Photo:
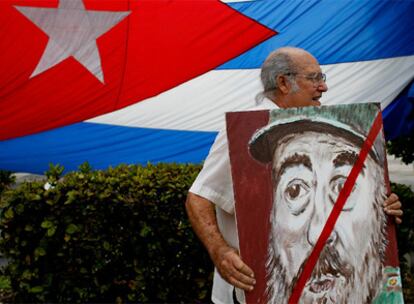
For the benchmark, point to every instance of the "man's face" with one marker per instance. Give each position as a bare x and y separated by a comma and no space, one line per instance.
309,88
310,170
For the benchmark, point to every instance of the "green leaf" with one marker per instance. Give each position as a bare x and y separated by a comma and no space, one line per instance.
85,168
71,229
51,231
46,224
9,214
202,294
36,289
39,251
71,197
28,227
4,283
3,203
19,208
145,230
36,197
26,275
50,202
54,172
106,245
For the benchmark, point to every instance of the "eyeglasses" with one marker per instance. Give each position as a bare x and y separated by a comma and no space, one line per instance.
316,78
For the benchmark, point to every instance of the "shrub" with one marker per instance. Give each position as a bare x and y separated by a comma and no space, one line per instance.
401,147
405,239
119,235
6,178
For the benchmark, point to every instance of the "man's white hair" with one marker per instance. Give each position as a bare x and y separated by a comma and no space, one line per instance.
279,62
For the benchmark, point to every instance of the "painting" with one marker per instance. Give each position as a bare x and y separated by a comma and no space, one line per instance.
309,185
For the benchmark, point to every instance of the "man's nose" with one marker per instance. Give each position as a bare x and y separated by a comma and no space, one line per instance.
322,87
319,217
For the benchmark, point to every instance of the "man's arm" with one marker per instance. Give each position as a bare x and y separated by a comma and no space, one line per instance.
226,259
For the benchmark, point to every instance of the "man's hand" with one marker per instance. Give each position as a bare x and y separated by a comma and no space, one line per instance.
232,269
392,206
226,259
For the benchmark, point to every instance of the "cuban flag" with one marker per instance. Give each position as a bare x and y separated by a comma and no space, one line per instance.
137,81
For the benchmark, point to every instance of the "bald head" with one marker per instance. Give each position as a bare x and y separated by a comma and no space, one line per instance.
292,51
278,76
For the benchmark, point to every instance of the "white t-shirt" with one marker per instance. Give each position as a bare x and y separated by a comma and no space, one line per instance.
215,184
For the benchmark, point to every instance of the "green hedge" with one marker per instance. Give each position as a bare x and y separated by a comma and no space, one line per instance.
405,239
6,179
119,235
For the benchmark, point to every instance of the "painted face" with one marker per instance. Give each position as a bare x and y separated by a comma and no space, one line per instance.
310,170
310,87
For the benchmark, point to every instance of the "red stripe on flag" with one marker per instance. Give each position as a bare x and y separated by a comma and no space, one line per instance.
336,210
160,45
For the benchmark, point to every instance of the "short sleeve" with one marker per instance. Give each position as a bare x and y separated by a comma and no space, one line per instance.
214,181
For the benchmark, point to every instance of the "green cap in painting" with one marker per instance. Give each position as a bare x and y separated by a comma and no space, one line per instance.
351,122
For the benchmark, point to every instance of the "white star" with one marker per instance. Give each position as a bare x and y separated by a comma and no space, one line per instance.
72,31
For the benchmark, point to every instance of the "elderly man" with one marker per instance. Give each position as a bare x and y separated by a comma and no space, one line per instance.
291,77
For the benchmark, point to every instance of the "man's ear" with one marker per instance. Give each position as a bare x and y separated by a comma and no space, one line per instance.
283,84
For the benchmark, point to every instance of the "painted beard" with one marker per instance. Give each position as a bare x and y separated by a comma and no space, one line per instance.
333,280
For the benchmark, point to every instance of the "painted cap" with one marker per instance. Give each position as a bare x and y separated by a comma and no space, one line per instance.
351,122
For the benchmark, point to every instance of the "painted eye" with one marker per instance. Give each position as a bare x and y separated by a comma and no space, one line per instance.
337,183
296,189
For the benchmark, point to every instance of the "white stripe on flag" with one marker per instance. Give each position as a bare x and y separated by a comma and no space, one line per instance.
200,103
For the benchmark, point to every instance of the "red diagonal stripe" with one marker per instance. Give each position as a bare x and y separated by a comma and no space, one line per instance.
336,210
